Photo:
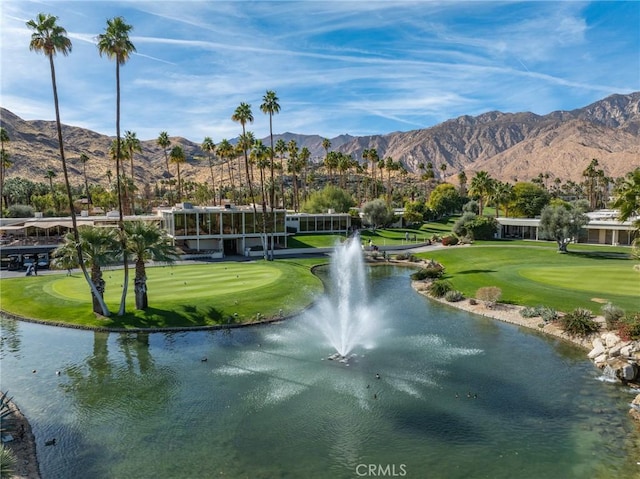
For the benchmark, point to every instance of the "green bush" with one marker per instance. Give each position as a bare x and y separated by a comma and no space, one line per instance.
579,322
8,462
439,288
453,296
430,272
530,312
20,211
407,257
548,314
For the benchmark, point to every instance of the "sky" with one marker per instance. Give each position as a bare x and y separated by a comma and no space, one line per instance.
344,67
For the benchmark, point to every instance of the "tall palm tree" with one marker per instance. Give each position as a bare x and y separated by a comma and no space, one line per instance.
84,159
481,187
177,157
4,164
261,154
99,248
164,142
225,150
243,115
326,144
115,44
50,175
50,38
502,195
304,157
146,242
209,146
292,148
462,179
270,106
132,144
627,197
280,149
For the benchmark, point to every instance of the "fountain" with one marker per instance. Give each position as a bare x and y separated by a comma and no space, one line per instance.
345,317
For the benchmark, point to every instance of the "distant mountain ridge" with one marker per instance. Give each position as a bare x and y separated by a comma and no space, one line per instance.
509,146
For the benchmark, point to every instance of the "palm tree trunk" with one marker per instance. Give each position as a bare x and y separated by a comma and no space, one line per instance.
123,237
282,181
140,286
74,222
213,184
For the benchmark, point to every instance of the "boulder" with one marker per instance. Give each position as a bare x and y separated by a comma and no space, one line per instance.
611,339
629,372
597,350
615,350
636,401
597,342
626,350
601,360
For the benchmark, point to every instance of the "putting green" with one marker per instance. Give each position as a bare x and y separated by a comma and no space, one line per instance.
595,280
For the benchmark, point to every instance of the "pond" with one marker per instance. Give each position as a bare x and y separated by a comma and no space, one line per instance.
437,393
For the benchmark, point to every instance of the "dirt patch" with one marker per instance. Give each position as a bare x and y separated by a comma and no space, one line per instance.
600,300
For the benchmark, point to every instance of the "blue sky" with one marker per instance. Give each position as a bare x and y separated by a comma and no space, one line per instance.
355,67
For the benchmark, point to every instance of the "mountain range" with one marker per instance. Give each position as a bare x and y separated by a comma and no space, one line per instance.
509,146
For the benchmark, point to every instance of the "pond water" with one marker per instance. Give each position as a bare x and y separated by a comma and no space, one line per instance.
267,403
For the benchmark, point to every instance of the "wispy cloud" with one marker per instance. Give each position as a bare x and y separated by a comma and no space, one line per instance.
338,67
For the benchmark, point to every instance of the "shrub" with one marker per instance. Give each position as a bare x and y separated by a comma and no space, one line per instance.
472,301
453,296
490,295
449,240
8,462
430,272
612,315
629,327
20,211
439,288
548,314
407,257
579,322
530,312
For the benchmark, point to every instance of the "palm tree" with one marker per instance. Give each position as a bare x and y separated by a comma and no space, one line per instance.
209,146
50,175
131,144
164,142
177,157
146,242
502,195
261,154
109,175
115,44
49,38
627,196
292,148
99,248
225,150
243,115
4,164
481,187
270,107
462,179
84,158
304,157
280,149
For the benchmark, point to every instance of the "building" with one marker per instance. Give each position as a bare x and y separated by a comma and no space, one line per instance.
338,223
603,228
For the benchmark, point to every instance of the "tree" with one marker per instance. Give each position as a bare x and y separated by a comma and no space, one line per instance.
225,150
50,175
413,211
209,147
627,196
445,199
481,188
330,197
377,213
84,159
475,227
502,195
261,154
270,107
177,158
164,142
146,242
462,179
115,44
5,163
49,38
562,224
304,157
243,115
99,248
529,199
292,148
132,144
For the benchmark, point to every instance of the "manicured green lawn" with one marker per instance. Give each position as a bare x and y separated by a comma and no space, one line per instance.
535,274
314,240
179,296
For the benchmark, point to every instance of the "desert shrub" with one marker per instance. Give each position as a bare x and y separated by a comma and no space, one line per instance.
548,314
629,327
579,322
612,315
472,301
8,462
490,295
407,257
20,211
449,240
530,312
439,288
453,296
430,272
435,238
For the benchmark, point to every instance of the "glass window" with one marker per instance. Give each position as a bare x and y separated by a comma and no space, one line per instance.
191,224
180,224
227,223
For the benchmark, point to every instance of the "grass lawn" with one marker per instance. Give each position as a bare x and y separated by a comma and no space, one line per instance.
179,296
533,275
314,240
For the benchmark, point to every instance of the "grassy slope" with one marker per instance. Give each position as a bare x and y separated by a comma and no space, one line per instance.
188,295
533,274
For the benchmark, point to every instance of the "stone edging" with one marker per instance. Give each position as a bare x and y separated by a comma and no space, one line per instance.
23,446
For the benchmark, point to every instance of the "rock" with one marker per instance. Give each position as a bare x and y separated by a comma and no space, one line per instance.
601,360
636,401
611,339
629,372
597,342
615,350
626,350
597,350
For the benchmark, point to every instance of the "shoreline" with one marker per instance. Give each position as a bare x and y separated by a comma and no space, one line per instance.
510,313
23,445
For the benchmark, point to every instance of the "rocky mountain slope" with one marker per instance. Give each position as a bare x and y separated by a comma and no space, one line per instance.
509,146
